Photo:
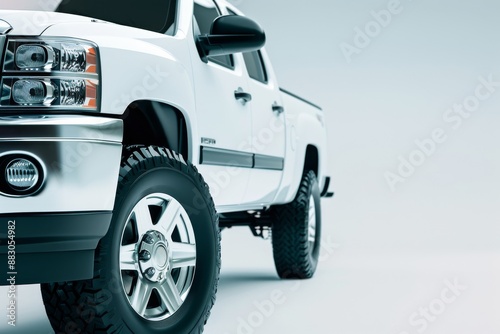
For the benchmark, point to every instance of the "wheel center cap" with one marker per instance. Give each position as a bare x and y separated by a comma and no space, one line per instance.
154,258
161,256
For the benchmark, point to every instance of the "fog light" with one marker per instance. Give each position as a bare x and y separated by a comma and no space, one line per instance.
21,174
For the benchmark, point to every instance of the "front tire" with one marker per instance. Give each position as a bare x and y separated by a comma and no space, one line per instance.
157,268
296,232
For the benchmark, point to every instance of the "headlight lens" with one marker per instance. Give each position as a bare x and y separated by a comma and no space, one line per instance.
29,92
32,57
50,73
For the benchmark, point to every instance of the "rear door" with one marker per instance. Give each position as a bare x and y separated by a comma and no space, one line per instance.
268,127
268,130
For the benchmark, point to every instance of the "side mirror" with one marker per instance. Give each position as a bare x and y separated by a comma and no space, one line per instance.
231,34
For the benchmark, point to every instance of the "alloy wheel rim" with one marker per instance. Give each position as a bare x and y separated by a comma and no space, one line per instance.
157,257
311,229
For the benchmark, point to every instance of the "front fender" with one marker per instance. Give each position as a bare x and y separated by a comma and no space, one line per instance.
138,65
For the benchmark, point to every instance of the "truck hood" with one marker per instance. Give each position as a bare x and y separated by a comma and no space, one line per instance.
32,23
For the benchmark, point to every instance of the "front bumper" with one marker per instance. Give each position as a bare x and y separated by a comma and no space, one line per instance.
81,156
58,228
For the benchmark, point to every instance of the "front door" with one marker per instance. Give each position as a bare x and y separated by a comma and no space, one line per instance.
224,118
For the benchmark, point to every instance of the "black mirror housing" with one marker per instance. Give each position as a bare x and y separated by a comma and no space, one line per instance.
231,34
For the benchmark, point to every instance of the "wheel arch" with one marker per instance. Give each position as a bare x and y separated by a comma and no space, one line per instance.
155,123
306,151
311,160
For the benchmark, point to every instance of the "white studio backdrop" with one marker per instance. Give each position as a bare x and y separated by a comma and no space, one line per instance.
411,94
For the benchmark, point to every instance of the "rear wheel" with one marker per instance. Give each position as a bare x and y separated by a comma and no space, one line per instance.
296,231
156,270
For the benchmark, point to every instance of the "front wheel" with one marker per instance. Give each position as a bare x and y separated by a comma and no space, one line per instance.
157,269
296,231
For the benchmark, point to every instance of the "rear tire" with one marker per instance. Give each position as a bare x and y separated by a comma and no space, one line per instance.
296,232
157,268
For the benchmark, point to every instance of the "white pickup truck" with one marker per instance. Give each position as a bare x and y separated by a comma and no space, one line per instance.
121,124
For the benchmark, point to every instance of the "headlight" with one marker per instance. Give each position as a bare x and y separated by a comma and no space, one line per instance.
55,73
33,57
29,92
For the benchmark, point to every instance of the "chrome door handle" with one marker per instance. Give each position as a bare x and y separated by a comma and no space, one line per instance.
277,108
242,95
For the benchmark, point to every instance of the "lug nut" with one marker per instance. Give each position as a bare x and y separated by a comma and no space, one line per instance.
149,239
144,255
150,272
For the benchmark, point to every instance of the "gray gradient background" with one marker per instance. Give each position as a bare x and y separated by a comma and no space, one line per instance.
386,253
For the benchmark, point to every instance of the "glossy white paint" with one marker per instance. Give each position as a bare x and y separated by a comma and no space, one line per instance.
139,65
307,130
268,136
33,23
224,119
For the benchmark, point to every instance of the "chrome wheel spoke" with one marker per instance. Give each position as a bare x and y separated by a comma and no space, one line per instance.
140,296
128,257
183,255
312,214
169,218
143,220
169,294
311,233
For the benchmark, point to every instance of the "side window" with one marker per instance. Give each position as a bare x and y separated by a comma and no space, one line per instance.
255,66
204,15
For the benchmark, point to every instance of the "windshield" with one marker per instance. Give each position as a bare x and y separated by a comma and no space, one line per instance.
153,15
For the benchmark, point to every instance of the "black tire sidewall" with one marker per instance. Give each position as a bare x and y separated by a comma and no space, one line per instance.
186,190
